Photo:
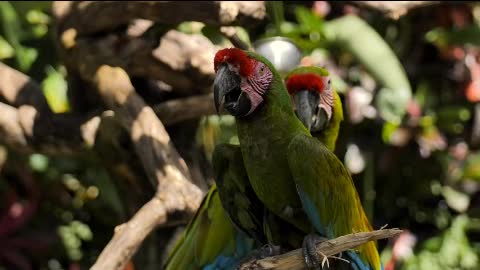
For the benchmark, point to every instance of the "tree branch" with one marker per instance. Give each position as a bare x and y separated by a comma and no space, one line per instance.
89,17
10,129
294,259
28,124
231,33
175,193
18,89
394,9
128,236
182,109
180,60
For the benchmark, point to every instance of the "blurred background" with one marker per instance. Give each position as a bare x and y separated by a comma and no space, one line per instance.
408,74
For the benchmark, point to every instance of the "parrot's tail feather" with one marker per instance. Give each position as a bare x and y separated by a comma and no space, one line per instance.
356,262
367,259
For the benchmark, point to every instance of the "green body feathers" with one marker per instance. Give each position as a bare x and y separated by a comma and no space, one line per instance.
209,235
280,167
295,175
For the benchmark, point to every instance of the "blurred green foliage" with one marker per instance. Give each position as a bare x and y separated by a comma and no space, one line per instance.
451,250
76,192
55,89
408,123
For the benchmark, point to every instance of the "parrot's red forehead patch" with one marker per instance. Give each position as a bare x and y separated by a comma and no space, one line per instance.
237,57
299,82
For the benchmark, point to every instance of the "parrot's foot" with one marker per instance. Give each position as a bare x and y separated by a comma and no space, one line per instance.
267,250
309,249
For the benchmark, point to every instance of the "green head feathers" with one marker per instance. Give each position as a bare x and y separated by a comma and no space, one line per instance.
306,70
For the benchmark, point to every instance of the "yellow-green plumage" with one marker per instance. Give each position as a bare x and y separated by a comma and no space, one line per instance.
208,235
333,195
237,196
239,199
264,137
345,224
211,217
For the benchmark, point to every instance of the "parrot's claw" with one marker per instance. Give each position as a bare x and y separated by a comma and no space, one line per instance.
267,250
309,249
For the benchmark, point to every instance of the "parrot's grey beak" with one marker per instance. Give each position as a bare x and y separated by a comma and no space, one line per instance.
227,92
310,114
226,81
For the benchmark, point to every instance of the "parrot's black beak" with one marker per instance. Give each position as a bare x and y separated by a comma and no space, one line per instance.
308,111
227,92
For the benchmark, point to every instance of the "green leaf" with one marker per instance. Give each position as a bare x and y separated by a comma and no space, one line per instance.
55,89
39,31
425,97
13,32
190,27
288,28
391,104
214,35
82,230
451,250
38,162
452,118
469,35
339,84
455,199
388,130
23,7
433,244
36,16
309,22
109,195
6,51
276,12
471,169
25,57
243,35
368,47
214,130
386,254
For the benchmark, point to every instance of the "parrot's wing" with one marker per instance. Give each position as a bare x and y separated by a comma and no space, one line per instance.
237,195
208,237
328,194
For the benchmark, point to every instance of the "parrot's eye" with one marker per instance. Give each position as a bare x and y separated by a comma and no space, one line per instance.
261,71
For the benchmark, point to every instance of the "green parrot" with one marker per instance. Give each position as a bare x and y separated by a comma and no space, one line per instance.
242,205
304,85
294,175
210,240
316,103
246,210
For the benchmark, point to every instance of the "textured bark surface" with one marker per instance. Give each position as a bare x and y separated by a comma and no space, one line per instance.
96,16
